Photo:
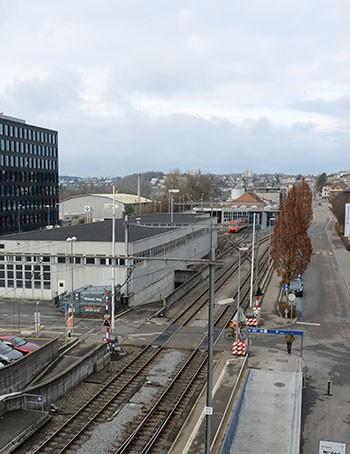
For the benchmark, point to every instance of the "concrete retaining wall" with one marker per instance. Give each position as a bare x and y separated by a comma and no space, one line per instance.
57,387
18,375
68,379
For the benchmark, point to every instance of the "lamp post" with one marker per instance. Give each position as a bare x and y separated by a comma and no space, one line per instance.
19,206
113,266
209,403
171,194
71,241
271,221
48,214
240,250
252,264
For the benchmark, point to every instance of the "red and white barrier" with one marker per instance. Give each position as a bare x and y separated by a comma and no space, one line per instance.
239,348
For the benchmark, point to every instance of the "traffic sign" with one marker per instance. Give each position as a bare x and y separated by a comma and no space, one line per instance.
275,331
208,410
291,297
106,322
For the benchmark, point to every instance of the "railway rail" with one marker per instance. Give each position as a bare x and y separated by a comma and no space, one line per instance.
119,388
152,435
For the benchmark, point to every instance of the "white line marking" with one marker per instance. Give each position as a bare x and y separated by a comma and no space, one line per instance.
308,323
143,334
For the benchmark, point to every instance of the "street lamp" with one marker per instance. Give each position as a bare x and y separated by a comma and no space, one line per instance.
19,206
241,249
71,241
171,194
48,214
271,221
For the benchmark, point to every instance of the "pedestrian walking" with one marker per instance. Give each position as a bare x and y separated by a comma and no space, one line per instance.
289,341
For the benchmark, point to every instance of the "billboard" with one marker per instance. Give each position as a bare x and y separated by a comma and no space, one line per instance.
347,220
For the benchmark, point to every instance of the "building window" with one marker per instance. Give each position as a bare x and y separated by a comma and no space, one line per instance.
61,259
90,260
28,284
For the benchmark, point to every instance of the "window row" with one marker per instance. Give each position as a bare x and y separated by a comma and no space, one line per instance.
23,161
22,132
88,260
27,176
8,223
33,192
27,148
19,283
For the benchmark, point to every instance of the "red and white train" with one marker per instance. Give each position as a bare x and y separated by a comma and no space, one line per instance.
237,225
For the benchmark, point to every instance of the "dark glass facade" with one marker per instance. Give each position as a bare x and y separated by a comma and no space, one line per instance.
28,176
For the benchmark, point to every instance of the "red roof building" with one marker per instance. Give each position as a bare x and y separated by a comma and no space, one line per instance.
248,200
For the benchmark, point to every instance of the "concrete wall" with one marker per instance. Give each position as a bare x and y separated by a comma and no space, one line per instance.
16,376
59,386
53,389
155,280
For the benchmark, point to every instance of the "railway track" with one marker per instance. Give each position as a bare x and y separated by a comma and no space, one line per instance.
154,433
122,386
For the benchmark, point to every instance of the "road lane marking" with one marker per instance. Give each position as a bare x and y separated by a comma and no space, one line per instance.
308,323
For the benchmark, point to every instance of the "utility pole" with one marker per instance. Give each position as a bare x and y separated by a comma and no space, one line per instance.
256,265
252,265
113,264
126,228
209,403
19,206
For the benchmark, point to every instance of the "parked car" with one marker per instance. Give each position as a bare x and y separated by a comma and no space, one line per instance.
297,287
8,354
19,344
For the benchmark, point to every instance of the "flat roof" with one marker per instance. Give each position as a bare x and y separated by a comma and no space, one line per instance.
148,226
23,123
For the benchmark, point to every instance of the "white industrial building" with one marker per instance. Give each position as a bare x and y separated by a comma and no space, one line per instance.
45,263
97,207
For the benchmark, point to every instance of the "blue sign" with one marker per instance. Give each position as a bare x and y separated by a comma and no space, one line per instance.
275,331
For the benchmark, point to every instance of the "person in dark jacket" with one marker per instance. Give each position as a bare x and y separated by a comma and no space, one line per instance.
289,341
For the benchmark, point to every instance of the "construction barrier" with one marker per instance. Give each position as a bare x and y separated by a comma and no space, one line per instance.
239,348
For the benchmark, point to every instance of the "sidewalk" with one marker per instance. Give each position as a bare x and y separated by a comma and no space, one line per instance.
270,417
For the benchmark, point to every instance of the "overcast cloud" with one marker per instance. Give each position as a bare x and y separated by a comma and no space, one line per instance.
153,85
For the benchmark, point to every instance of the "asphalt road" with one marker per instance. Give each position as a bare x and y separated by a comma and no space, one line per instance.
326,347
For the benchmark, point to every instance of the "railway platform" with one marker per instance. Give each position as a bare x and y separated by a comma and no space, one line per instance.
17,426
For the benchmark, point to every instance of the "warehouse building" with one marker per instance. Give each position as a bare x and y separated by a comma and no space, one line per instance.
44,264
98,207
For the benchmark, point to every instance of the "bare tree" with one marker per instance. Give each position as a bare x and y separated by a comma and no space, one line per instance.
291,246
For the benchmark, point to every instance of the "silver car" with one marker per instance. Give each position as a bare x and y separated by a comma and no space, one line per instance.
7,354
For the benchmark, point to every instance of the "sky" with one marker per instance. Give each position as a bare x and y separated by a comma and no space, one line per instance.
216,85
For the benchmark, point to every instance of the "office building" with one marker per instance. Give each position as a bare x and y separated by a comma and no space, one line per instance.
28,176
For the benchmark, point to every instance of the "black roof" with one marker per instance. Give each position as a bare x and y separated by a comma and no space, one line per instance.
102,231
